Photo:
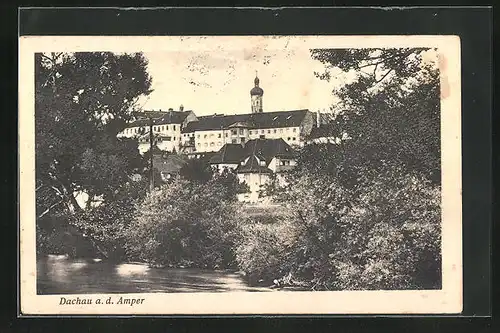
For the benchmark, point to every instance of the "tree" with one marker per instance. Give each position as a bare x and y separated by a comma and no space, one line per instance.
197,170
364,213
82,101
390,112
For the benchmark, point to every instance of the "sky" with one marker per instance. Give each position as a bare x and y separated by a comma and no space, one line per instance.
219,81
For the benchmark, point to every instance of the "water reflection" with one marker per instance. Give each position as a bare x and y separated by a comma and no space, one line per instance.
62,275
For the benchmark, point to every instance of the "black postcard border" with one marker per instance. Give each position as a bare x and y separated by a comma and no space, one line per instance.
472,24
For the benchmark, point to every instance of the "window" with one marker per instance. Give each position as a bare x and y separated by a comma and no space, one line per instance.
234,132
211,135
226,135
198,136
219,136
262,131
199,144
250,132
293,138
167,127
163,128
233,141
268,131
205,136
174,127
288,138
241,131
294,130
174,138
262,137
275,130
242,140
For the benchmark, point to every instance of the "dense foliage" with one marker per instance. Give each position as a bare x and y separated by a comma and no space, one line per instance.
364,213
186,224
82,100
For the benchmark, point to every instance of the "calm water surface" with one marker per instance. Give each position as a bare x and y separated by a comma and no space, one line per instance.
61,275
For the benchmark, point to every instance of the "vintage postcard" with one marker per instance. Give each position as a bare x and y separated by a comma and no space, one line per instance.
231,175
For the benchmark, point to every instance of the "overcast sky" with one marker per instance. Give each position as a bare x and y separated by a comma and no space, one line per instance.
219,81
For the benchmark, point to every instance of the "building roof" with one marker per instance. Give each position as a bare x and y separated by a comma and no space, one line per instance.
258,149
159,118
230,153
257,91
169,163
274,119
253,166
269,148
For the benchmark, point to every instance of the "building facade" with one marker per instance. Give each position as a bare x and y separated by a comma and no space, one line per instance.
166,125
184,132
255,163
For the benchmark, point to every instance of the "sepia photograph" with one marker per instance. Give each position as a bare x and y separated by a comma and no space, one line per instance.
254,169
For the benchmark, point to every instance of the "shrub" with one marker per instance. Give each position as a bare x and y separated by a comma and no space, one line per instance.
184,223
387,236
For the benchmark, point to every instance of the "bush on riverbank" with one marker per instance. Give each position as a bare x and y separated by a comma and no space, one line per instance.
185,224
387,237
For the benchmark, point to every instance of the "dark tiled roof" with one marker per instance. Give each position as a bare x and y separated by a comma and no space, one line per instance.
253,166
275,119
159,118
171,163
264,149
229,153
269,148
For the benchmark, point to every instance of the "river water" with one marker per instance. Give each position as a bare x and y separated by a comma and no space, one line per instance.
62,275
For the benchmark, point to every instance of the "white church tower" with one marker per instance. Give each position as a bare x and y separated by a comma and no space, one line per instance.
256,96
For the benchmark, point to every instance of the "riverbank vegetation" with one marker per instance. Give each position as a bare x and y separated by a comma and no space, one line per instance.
363,213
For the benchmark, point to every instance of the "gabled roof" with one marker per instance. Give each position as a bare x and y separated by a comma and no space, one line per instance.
269,148
275,119
264,149
159,118
253,166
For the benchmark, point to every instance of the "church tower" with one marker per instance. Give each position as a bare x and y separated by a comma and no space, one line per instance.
256,96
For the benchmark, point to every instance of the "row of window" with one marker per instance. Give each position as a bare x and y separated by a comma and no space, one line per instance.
167,138
158,128
269,131
236,141
212,144
241,132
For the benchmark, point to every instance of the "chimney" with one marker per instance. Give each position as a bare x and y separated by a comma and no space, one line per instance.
181,108
318,118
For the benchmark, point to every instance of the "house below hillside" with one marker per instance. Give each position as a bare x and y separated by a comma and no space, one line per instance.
255,162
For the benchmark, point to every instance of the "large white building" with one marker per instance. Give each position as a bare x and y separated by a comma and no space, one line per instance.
184,132
167,127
